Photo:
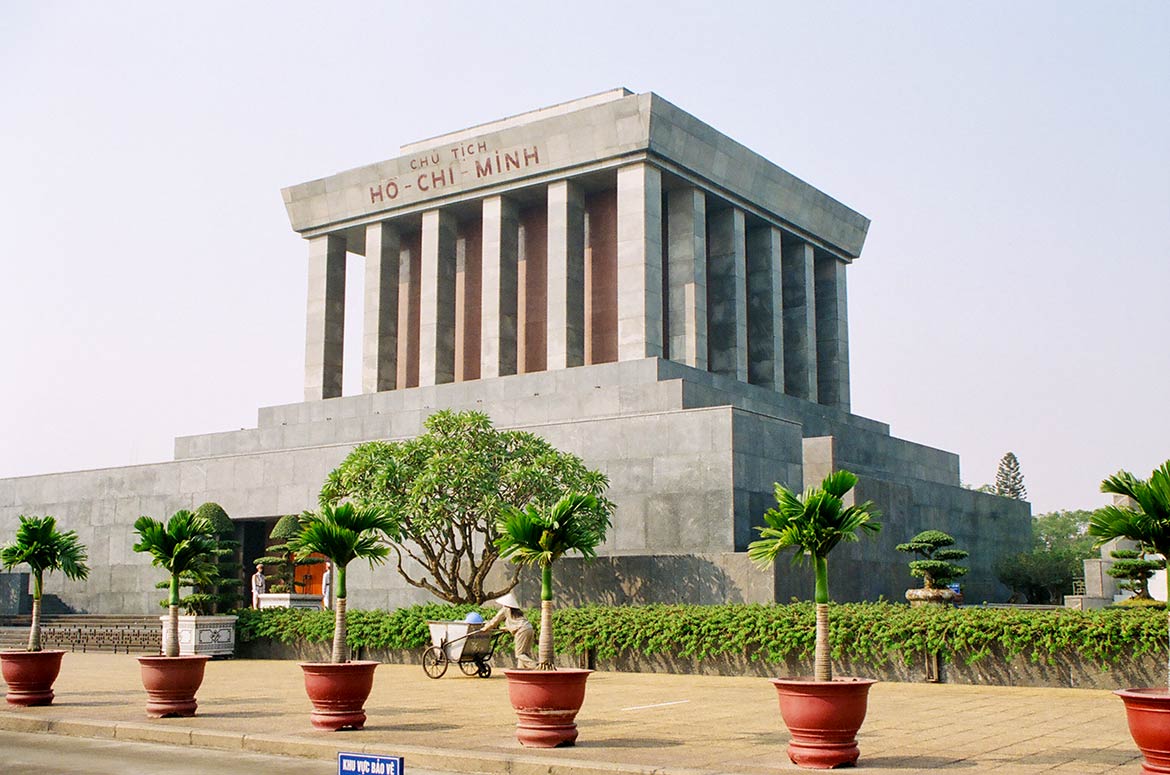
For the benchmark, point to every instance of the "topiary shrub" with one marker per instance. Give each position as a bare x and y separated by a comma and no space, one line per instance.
282,557
936,567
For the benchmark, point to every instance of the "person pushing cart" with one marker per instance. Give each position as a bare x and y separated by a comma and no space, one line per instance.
511,618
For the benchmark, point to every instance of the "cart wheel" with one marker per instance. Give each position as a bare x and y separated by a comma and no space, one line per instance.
469,668
484,670
434,662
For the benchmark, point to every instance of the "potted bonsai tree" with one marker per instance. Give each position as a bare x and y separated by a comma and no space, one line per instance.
1148,523
184,546
547,700
822,714
338,689
42,547
935,566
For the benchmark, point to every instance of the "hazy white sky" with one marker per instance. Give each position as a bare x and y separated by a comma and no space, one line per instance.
1014,159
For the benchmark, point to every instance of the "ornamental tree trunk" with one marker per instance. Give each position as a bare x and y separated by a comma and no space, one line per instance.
34,630
545,650
822,664
171,636
340,649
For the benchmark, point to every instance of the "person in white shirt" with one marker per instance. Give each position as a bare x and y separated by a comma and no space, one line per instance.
327,587
259,585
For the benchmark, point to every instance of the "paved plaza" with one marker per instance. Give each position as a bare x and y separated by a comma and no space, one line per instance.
630,723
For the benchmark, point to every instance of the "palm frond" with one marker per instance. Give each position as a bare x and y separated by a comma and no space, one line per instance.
40,545
183,543
532,536
813,523
344,533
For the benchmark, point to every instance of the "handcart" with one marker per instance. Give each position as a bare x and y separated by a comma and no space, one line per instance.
462,643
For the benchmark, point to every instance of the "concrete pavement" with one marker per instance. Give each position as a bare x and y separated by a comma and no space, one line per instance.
630,723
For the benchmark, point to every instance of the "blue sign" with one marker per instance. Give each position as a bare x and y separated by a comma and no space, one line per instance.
368,764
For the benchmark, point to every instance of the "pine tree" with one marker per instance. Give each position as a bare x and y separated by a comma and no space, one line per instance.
1009,482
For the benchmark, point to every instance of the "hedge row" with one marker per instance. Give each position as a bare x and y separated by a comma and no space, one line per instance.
870,632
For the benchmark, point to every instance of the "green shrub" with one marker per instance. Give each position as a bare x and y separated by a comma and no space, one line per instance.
1140,602
876,633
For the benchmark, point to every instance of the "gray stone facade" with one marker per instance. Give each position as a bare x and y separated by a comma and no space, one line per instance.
611,274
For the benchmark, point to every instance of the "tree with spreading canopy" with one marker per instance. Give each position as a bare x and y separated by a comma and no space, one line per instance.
445,489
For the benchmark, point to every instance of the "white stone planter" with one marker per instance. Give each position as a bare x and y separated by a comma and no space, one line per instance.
289,600
212,635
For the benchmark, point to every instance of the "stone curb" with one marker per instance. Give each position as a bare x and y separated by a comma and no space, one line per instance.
480,763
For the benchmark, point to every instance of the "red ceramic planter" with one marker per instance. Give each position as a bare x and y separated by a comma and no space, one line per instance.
823,718
171,684
30,675
1148,713
338,693
546,704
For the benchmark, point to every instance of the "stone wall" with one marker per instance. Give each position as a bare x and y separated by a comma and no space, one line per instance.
691,456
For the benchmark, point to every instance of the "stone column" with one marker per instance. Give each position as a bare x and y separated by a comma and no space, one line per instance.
436,329
800,322
566,275
501,226
832,333
639,262
727,348
380,332
325,327
686,269
468,298
765,309
410,270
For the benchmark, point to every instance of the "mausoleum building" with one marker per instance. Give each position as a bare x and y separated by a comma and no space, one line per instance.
614,275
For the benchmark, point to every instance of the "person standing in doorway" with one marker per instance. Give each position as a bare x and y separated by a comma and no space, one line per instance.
327,587
259,585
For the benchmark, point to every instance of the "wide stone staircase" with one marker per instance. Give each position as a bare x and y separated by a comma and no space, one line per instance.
86,632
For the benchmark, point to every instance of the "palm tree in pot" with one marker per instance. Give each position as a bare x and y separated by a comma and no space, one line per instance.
184,546
824,714
547,700
43,548
1147,521
343,533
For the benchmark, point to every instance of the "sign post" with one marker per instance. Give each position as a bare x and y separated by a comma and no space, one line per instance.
368,764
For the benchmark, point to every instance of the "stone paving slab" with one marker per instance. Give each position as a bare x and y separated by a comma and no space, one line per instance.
630,723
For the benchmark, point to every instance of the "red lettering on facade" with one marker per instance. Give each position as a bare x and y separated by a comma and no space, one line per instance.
482,170
375,194
511,160
534,157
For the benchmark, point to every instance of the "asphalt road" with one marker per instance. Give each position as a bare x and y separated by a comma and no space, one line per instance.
41,754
